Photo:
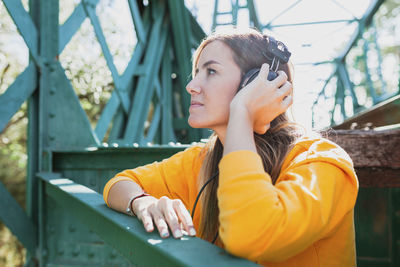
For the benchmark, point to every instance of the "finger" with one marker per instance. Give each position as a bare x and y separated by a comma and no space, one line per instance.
159,220
261,129
287,102
263,74
147,221
285,89
280,79
184,217
171,218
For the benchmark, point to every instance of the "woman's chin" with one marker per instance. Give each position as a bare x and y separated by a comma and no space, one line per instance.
195,124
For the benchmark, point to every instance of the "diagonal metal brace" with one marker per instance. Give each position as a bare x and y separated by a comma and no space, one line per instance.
15,218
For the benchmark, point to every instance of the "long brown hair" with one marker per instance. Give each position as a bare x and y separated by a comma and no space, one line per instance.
273,146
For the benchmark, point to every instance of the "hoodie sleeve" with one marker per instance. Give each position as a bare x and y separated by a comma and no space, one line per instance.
266,222
174,177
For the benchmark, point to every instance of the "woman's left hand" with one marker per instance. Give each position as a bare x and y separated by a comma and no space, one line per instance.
263,100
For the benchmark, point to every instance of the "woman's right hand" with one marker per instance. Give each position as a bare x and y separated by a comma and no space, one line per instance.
166,214
263,100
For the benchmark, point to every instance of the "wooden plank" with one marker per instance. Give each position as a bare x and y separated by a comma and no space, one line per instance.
370,148
378,177
376,155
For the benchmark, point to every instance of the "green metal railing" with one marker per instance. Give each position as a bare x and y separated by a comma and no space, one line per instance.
66,220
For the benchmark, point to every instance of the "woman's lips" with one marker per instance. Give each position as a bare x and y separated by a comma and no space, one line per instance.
195,104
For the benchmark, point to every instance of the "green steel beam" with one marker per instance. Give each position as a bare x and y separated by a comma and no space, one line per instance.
123,157
113,103
313,22
110,110
379,54
78,131
137,21
14,217
90,8
182,36
253,14
269,24
145,87
167,132
127,234
343,75
25,26
31,201
18,92
181,42
71,26
364,23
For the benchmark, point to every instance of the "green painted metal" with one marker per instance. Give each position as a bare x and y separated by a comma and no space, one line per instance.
71,26
344,86
384,113
72,223
57,122
167,132
233,13
25,26
180,18
15,218
90,8
126,234
17,94
377,239
61,134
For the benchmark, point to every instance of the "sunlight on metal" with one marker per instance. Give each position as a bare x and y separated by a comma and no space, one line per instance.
154,241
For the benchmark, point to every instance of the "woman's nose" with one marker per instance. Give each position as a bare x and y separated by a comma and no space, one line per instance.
193,87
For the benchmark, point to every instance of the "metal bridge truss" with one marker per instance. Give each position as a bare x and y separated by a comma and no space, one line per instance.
386,113
66,221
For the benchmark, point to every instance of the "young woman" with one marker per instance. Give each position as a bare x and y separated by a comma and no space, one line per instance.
271,195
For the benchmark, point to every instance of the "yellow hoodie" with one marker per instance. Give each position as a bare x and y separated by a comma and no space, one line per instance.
305,219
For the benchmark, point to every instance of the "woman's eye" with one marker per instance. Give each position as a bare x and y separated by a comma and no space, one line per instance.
210,71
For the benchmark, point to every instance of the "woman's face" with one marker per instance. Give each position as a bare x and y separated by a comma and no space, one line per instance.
213,87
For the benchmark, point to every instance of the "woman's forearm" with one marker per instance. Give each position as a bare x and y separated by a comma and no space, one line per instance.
120,194
239,133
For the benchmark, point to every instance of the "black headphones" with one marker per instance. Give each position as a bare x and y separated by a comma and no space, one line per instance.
276,53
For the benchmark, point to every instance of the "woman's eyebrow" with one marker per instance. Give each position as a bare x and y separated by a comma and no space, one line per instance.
207,64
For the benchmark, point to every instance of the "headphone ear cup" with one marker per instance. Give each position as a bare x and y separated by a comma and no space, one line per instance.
249,77
252,74
272,75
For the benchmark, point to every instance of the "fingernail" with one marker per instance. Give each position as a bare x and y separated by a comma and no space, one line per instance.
148,228
178,233
164,234
192,232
